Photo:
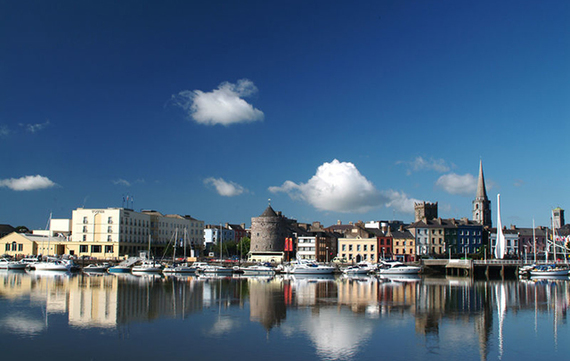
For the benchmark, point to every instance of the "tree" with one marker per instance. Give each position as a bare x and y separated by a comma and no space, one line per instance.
243,246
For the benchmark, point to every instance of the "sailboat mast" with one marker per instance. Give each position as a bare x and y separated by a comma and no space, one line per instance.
534,240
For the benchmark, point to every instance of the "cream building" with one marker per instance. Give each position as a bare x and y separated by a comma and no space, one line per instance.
109,233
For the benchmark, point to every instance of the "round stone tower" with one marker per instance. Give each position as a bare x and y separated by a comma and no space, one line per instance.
268,232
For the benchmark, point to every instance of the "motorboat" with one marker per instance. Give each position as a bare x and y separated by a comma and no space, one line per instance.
550,270
11,265
148,266
54,264
396,267
308,267
215,269
97,267
119,269
180,268
360,269
258,270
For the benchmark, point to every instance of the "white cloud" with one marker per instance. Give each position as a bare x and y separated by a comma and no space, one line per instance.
4,131
225,188
33,128
122,182
27,183
336,186
400,201
420,164
223,105
458,184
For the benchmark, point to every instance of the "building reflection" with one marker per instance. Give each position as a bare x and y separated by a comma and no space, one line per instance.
341,312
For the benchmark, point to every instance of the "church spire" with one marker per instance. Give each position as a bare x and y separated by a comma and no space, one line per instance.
481,190
481,204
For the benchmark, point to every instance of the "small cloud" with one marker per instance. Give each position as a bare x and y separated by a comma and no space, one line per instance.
336,186
27,183
421,164
225,188
400,201
122,182
33,128
458,184
4,131
224,105
519,183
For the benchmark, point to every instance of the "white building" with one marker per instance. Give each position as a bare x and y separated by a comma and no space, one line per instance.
118,232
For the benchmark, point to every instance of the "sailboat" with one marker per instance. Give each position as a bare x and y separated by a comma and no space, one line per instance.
209,268
182,267
551,270
52,263
147,265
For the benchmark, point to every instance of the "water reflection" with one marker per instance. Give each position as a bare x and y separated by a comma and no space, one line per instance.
338,317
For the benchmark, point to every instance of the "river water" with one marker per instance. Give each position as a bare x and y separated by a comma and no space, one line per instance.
47,316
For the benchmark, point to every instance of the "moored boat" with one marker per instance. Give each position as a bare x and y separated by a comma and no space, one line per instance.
550,270
97,267
258,270
11,265
395,267
308,267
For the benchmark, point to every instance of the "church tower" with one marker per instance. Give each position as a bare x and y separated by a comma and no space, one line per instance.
482,204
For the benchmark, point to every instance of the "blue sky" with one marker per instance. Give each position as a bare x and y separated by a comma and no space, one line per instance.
334,110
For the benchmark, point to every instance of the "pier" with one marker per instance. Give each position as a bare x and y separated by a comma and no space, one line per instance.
470,268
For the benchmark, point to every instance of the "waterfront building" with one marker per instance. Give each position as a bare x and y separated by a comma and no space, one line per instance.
403,244
360,245
315,243
527,243
482,204
215,234
110,233
443,236
268,233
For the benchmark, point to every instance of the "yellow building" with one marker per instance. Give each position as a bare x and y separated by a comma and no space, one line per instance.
358,245
403,245
23,244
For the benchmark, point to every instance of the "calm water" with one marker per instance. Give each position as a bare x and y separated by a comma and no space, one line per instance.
110,317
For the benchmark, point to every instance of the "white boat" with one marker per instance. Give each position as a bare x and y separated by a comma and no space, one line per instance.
258,270
53,264
11,265
395,267
97,267
359,269
550,270
148,266
216,269
180,268
308,267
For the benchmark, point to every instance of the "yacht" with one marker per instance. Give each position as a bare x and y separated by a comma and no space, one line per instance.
396,267
180,268
258,270
308,267
359,269
11,265
53,264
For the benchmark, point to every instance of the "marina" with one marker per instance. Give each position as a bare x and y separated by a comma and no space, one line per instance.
326,317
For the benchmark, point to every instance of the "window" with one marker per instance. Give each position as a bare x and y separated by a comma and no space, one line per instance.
365,249
350,247
7,246
84,220
344,247
95,249
108,249
20,247
83,249
372,247
84,229
14,246
110,229
110,220
358,248
109,238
